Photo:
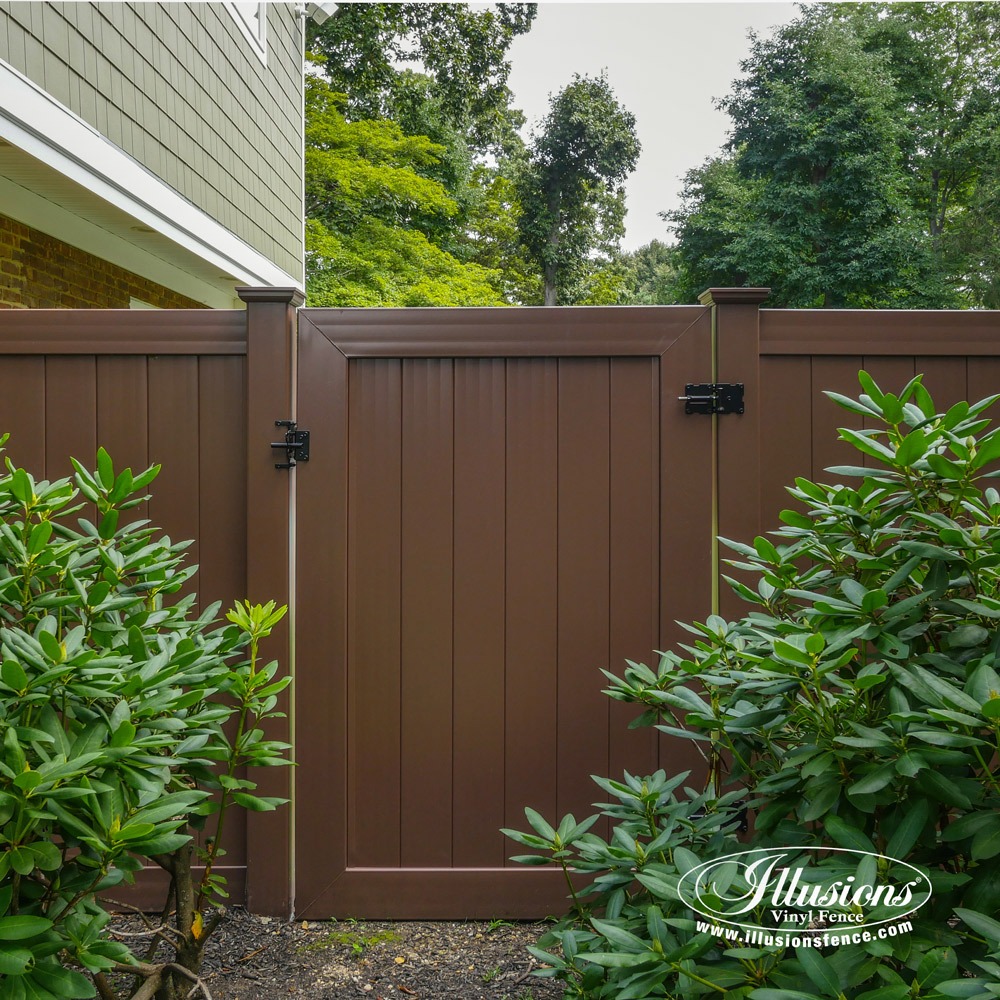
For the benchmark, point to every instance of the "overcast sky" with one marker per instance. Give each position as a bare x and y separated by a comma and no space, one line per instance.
666,63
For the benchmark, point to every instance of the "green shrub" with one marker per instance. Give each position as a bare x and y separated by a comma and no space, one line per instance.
113,698
856,705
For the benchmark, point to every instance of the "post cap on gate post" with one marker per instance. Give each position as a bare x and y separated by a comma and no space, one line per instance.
293,296
733,296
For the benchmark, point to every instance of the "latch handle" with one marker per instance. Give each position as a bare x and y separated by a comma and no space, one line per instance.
713,397
295,445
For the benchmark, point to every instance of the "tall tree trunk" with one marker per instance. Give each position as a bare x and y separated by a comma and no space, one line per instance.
549,270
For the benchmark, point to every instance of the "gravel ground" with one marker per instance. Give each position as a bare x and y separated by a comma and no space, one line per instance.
257,958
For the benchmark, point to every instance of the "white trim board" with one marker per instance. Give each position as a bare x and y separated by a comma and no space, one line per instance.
256,39
34,121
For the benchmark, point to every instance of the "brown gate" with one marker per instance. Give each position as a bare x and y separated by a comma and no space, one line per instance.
483,524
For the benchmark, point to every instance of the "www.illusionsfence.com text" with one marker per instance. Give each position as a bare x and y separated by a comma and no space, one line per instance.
811,939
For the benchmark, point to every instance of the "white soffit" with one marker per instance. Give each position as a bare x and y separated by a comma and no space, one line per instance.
46,201
33,121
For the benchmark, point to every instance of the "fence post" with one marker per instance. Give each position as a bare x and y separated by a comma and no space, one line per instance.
270,375
736,358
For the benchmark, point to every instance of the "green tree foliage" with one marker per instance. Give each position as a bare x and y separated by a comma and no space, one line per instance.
430,81
859,164
650,276
716,228
812,200
462,51
370,207
570,186
975,238
944,59
493,238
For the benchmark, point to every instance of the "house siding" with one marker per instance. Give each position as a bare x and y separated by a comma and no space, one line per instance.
179,88
39,272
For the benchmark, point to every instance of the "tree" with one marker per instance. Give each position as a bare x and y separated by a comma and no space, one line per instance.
944,59
463,53
369,209
715,228
492,234
570,187
652,275
861,143
974,235
436,71
813,199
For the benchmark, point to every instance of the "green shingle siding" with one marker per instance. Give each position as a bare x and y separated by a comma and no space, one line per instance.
178,87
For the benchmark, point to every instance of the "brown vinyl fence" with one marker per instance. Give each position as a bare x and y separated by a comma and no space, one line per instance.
497,504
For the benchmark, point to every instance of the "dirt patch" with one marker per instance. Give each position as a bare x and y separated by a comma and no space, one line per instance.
257,958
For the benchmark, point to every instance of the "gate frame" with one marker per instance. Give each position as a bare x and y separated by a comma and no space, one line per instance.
328,340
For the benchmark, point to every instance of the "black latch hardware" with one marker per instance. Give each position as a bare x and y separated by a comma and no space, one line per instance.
296,444
713,397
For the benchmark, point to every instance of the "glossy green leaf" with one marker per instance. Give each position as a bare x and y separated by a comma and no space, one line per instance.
22,927
821,974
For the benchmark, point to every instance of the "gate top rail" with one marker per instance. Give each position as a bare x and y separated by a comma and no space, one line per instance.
524,331
123,331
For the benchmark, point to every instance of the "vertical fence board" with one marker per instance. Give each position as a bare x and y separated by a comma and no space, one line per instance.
121,410
984,380
70,414
22,413
686,519
175,443
218,469
889,372
373,803
946,379
426,613
222,480
531,598
583,577
837,374
785,432
634,550
478,628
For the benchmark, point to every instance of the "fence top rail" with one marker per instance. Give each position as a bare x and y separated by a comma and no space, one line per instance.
527,331
880,331
123,331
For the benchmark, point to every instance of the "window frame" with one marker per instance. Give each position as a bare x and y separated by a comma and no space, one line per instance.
257,39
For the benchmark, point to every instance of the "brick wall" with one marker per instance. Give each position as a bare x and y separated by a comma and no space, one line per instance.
39,272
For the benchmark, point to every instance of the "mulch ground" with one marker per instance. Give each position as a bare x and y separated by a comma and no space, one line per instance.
257,958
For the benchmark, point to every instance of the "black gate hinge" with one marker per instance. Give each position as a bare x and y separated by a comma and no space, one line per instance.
713,397
295,445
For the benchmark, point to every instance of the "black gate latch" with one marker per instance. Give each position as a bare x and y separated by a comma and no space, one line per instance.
295,445
713,397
